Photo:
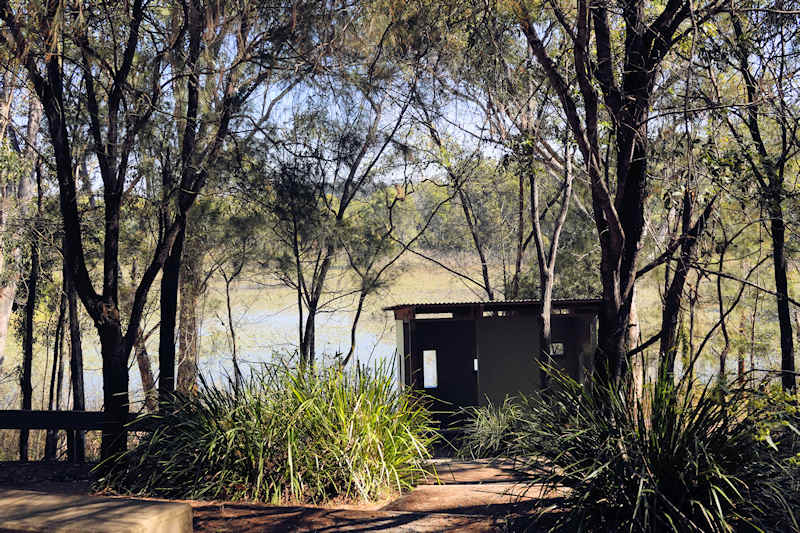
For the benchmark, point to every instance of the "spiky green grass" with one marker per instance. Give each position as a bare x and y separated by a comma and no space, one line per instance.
288,435
491,430
684,459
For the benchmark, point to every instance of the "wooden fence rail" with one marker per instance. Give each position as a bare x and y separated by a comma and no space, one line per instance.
63,420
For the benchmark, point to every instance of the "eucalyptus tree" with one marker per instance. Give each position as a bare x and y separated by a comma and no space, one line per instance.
757,43
108,63
615,53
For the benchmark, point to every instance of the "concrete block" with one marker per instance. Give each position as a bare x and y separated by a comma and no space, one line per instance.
22,510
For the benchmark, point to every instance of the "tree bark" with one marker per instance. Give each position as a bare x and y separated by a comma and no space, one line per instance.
190,289
24,193
778,230
76,447
170,284
146,371
115,382
56,380
618,207
690,233
27,346
546,258
769,175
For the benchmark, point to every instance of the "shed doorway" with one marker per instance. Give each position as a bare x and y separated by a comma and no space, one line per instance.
450,343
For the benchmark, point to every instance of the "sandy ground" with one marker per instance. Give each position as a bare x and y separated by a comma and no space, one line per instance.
466,496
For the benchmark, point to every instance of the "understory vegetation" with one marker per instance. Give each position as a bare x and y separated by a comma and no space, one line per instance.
288,434
677,458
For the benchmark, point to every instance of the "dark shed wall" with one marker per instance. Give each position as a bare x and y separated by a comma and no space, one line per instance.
575,332
507,348
454,342
504,336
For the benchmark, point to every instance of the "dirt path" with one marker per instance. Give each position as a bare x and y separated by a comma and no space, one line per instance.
470,496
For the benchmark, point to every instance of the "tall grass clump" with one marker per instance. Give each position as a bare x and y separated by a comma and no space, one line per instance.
490,430
287,435
678,459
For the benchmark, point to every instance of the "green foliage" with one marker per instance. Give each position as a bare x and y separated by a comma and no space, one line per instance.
288,434
490,430
681,460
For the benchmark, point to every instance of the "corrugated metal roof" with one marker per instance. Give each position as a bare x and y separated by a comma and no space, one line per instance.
494,304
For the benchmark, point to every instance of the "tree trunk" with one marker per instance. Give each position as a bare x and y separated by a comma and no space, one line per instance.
187,332
674,296
546,338
27,344
76,446
170,283
7,295
146,371
307,348
466,205
237,374
723,355
782,296
56,380
115,382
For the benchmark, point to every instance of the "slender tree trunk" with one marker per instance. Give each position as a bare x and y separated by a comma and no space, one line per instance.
520,248
770,181
723,355
782,296
466,205
28,338
674,296
362,296
170,282
692,314
146,371
546,338
77,448
753,336
237,374
307,348
546,259
56,378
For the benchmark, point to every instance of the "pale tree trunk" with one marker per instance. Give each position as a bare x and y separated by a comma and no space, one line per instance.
9,260
639,362
187,332
146,372
546,258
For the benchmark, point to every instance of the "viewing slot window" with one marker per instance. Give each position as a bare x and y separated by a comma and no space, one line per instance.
429,378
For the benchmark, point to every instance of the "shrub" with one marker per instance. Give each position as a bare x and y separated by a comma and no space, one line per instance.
490,430
682,460
286,435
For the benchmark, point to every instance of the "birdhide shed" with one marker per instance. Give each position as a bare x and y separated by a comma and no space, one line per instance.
470,353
